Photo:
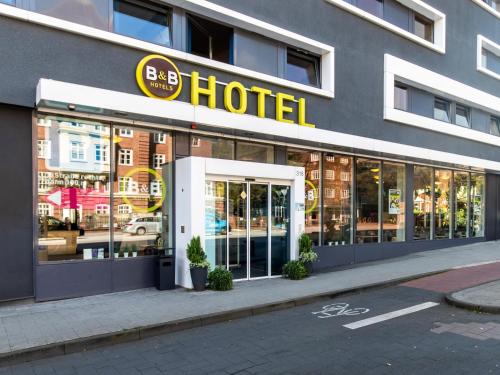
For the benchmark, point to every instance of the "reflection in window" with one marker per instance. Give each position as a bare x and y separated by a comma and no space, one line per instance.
393,202
302,67
216,225
375,7
148,23
337,207
462,115
441,110
367,194
490,60
218,148
400,98
311,162
424,28
210,39
142,206
442,214
422,202
460,201
495,126
73,200
254,152
477,204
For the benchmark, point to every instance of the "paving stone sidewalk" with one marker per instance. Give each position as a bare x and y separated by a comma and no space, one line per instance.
484,297
33,325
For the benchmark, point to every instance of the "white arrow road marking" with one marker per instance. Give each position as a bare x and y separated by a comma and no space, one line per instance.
390,315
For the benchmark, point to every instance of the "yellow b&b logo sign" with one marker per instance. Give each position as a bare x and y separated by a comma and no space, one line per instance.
158,77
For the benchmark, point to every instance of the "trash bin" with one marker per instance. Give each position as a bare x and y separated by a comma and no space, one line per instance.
165,270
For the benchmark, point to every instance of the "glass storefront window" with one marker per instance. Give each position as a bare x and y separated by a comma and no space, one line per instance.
393,203
218,148
337,184
311,163
73,215
255,152
477,182
367,200
422,202
442,214
142,192
216,225
460,202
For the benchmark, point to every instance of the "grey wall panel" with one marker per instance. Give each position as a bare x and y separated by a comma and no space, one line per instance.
133,273
254,52
421,102
480,120
94,13
397,14
335,256
16,204
66,280
492,197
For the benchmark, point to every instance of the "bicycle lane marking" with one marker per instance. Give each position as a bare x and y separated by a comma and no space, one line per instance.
339,309
390,315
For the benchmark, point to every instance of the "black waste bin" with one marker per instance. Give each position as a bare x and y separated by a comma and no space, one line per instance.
165,270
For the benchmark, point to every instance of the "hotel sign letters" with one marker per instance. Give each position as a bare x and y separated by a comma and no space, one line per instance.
158,77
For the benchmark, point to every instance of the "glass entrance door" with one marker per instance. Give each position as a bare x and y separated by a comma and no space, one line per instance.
256,232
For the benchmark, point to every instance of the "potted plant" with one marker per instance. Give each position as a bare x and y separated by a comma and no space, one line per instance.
220,279
294,270
117,250
134,250
198,263
307,256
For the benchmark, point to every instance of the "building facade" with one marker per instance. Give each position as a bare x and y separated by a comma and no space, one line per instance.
371,125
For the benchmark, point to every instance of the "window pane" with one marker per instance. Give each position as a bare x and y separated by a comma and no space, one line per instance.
442,181
477,204
460,197
216,225
375,7
462,116
311,163
401,98
422,202
73,191
219,148
337,199
302,68
142,199
209,39
441,110
254,152
495,126
491,61
424,28
393,204
142,23
11,2
367,194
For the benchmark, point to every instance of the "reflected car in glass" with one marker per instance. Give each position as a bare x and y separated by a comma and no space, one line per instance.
143,225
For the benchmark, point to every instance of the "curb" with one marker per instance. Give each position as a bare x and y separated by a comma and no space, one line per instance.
468,305
140,333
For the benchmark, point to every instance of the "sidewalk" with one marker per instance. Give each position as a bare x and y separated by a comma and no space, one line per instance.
32,331
481,298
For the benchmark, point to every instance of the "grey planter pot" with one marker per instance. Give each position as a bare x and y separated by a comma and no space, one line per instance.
309,267
199,278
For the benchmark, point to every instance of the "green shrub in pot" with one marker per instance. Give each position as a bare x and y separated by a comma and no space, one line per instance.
220,279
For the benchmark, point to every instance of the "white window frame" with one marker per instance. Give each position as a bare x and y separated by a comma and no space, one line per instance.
487,7
396,69
159,138
104,150
158,160
329,193
220,14
80,147
124,209
102,209
418,6
43,185
126,132
44,148
155,188
315,175
345,176
123,151
345,194
490,46
45,209
127,182
329,174
315,156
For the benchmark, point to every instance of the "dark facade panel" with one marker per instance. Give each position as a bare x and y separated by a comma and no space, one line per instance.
254,52
421,102
480,120
16,205
397,14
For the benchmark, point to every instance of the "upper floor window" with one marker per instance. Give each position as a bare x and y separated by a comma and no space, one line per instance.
209,39
462,116
126,133
140,21
101,153
400,97
490,60
375,7
423,27
302,67
10,2
495,125
495,4
125,157
43,147
77,151
159,137
441,110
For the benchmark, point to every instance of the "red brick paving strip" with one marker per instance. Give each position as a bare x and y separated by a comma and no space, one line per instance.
459,279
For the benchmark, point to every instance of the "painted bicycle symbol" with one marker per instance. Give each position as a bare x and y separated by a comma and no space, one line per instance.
338,309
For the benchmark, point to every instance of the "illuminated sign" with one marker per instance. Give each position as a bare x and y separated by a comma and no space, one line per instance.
158,77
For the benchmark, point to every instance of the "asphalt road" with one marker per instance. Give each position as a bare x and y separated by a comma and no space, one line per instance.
308,339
